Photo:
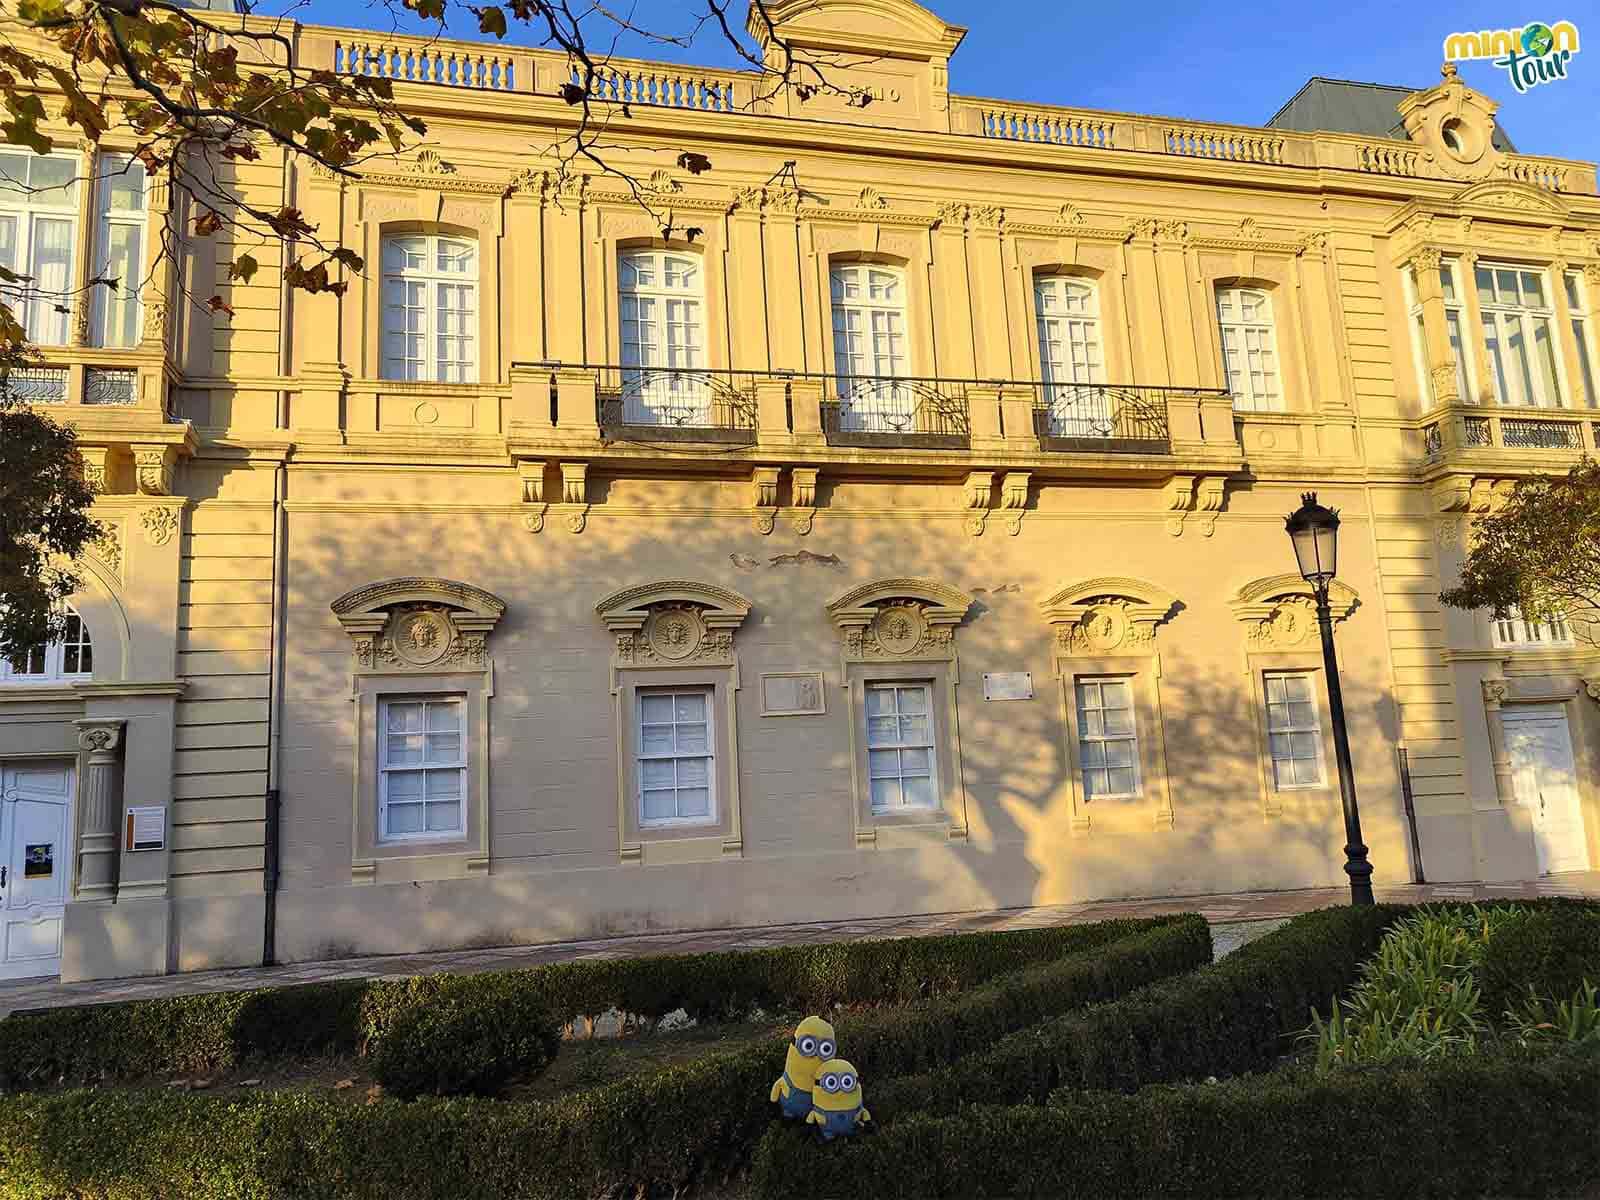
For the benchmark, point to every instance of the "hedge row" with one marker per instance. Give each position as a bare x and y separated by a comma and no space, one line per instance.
214,1032
697,1121
1551,946
1458,1128
1226,1019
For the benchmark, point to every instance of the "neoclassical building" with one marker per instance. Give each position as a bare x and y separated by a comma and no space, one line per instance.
886,519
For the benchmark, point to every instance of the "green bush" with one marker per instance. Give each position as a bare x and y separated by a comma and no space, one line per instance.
1227,1019
467,1043
697,1121
216,1032
1486,1126
1552,946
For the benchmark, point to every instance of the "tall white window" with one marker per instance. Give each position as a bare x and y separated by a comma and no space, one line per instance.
69,659
1515,630
1067,311
1294,735
869,347
422,768
1582,329
119,250
676,759
430,308
1519,335
1453,320
1249,348
662,298
38,228
1108,743
900,747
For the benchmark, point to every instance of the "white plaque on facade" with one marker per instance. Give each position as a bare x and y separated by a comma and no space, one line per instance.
792,694
1008,685
147,828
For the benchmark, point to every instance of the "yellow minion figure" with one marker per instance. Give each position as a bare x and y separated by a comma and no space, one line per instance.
813,1045
836,1109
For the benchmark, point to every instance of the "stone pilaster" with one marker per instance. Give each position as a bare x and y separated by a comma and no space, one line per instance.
102,796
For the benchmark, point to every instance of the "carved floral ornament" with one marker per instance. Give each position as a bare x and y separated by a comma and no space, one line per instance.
899,619
1280,612
673,623
419,624
1113,615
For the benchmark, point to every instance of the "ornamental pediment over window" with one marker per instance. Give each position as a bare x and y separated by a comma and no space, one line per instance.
1111,615
907,620
1280,612
419,625
673,623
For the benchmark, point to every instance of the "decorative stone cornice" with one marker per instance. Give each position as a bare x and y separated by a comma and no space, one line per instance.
673,623
1107,615
1279,612
419,624
388,592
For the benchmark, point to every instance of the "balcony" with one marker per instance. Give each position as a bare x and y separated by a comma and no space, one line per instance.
897,413
676,404
1102,418
1534,431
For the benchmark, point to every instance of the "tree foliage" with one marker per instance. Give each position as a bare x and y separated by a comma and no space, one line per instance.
1539,554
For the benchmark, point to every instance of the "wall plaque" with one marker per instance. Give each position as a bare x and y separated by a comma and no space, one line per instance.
1008,685
147,828
792,694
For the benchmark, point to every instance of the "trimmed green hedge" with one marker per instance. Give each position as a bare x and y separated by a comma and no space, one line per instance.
694,1122
468,1044
1552,947
1226,1019
1459,1128
207,1033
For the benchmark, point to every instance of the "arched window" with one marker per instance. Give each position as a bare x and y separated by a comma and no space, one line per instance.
70,658
1249,348
662,298
430,308
1071,360
869,347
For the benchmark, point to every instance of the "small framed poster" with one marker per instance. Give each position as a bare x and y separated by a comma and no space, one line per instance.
38,860
1008,685
147,828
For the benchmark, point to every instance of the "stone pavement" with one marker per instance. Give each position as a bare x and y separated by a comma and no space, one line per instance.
1226,910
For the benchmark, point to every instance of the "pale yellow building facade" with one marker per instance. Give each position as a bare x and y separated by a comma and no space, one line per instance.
886,519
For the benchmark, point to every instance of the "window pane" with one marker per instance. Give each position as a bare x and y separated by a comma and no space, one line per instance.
694,802
444,747
404,818
656,739
658,773
443,818
916,761
914,731
883,763
918,791
1485,282
691,707
1120,781
659,806
886,793
913,700
692,739
694,773
405,750
656,708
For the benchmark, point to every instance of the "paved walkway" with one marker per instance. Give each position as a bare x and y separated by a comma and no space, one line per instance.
1221,910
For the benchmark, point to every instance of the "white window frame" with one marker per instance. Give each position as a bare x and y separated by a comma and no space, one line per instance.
899,745
111,307
708,696
1455,321
52,658
1579,312
1257,342
36,310
1522,385
871,343
431,282
1281,723
386,769
1071,355
1103,739
662,326
1516,632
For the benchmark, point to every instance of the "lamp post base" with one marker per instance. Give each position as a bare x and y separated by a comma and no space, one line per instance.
1360,871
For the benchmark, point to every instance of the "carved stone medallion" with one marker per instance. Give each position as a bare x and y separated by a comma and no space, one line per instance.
899,628
674,632
422,636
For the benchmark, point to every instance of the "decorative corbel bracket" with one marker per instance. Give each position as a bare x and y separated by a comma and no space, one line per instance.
575,495
803,481
1014,499
153,469
978,487
1179,500
1591,687
531,474
1211,498
764,497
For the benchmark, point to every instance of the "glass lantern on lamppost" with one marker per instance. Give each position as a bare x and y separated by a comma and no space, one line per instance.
1314,531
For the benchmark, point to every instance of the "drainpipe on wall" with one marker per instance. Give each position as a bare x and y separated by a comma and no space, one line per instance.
1411,817
269,848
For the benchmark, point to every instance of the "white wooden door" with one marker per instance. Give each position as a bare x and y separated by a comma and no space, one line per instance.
35,861
1542,773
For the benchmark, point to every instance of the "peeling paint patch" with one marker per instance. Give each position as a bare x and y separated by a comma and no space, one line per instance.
804,558
744,562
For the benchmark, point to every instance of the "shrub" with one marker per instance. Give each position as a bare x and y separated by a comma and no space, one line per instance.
218,1031
1552,946
467,1043
1226,1019
1541,1021
695,1121
1485,1126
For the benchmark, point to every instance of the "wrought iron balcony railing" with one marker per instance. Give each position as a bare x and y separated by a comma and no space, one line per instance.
892,411
1517,429
676,404
1105,418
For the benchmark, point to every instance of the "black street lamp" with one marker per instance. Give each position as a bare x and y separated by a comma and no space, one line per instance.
1314,531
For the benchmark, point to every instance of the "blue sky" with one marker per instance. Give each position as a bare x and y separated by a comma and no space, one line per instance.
1235,61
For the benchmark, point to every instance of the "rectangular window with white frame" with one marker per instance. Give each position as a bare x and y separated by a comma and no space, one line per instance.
901,750
1071,357
38,230
422,768
1108,739
1294,731
430,308
1578,308
1454,319
1249,349
119,250
662,298
1515,630
1519,335
869,348
676,757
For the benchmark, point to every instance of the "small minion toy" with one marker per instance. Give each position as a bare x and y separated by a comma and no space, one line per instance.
837,1110
813,1045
